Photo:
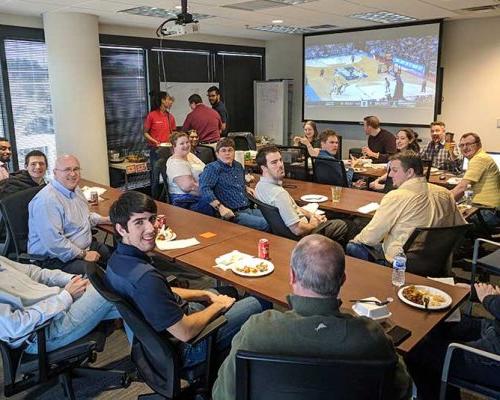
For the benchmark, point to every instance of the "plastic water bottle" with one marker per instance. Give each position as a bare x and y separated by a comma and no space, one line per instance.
468,195
398,270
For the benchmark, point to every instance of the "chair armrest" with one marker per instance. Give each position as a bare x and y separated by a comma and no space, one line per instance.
209,330
25,258
171,279
42,350
454,346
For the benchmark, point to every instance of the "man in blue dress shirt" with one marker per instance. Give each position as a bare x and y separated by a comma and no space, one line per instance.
60,222
222,184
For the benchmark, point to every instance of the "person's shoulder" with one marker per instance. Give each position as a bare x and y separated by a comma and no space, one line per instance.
214,166
129,267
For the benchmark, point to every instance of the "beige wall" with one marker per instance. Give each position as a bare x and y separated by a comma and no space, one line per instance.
471,89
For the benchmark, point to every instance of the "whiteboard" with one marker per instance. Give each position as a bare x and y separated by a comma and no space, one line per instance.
271,110
181,92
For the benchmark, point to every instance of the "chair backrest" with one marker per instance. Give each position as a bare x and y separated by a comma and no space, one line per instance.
429,251
160,192
243,140
355,152
279,377
329,171
274,220
153,353
206,153
296,161
14,209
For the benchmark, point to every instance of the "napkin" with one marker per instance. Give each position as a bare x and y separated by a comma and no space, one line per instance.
177,244
88,190
453,181
379,166
313,208
368,208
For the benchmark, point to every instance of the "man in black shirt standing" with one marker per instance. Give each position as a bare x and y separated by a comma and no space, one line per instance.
214,99
381,143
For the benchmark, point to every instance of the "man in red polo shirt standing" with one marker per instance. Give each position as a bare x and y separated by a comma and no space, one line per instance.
204,120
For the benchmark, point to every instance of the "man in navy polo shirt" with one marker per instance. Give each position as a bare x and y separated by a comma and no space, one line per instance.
131,274
222,184
213,94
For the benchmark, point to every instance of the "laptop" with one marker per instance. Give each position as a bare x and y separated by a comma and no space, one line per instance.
493,154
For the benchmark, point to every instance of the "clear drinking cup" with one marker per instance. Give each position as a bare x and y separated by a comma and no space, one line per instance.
336,193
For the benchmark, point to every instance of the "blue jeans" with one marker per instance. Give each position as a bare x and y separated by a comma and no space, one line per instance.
363,252
252,218
236,316
193,203
81,318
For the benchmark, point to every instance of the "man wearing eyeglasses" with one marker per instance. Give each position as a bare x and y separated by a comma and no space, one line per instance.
60,222
482,174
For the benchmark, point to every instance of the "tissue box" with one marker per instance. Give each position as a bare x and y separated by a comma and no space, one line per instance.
371,310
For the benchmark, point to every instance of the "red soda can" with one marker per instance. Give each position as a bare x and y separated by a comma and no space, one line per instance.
263,249
161,220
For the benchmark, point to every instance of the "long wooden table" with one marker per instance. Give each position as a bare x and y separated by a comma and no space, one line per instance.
186,224
364,279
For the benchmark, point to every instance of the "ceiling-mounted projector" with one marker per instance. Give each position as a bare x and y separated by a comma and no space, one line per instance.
183,24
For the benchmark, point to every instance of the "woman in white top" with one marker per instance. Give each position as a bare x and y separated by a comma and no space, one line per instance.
183,171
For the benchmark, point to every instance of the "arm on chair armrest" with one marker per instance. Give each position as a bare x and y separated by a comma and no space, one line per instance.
210,329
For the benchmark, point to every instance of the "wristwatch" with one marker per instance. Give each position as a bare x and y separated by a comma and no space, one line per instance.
82,254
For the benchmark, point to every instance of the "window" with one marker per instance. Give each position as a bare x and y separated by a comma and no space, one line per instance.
125,97
30,98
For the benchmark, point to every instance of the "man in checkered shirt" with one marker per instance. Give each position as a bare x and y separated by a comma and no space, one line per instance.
443,155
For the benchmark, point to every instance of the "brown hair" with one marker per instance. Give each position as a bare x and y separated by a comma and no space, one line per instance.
225,142
372,121
439,123
412,137
323,136
176,136
474,135
261,159
410,159
313,125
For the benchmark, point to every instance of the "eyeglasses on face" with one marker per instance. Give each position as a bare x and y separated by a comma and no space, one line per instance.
462,145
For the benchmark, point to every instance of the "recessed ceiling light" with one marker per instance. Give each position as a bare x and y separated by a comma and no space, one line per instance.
146,11
277,21
384,17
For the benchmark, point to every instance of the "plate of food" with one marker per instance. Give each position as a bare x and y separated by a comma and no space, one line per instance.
165,234
314,198
418,295
253,267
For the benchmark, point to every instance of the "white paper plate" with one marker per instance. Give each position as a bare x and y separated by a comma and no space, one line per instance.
168,238
251,262
430,290
314,198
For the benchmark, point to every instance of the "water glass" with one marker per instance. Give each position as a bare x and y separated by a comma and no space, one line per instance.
336,193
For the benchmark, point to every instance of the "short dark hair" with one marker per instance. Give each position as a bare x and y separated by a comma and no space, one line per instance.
319,264
213,89
323,136
372,121
195,98
412,137
438,123
35,153
225,142
261,156
3,139
176,136
474,135
127,204
410,159
157,97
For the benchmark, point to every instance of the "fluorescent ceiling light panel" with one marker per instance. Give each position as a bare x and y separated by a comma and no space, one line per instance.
157,12
384,17
291,30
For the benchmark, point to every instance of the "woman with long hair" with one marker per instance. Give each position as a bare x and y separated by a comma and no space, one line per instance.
406,139
310,139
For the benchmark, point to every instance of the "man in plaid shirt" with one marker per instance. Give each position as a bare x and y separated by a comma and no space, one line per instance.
444,155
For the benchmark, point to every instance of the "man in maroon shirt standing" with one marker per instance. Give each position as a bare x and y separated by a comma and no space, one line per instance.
204,120
381,143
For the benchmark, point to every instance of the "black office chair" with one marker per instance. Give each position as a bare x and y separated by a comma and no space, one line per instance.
296,161
243,140
24,371
14,210
206,153
160,191
429,251
329,171
491,362
274,220
155,354
280,377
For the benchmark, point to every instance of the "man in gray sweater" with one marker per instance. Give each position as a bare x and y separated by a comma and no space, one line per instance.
29,296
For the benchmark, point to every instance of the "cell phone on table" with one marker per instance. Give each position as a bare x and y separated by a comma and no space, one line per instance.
398,334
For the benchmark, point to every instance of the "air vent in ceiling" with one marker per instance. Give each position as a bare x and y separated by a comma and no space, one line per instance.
254,5
482,9
157,12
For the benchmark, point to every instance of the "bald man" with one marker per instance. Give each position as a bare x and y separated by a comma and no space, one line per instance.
60,222
315,326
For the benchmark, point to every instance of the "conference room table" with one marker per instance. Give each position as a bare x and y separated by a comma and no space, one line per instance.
364,279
